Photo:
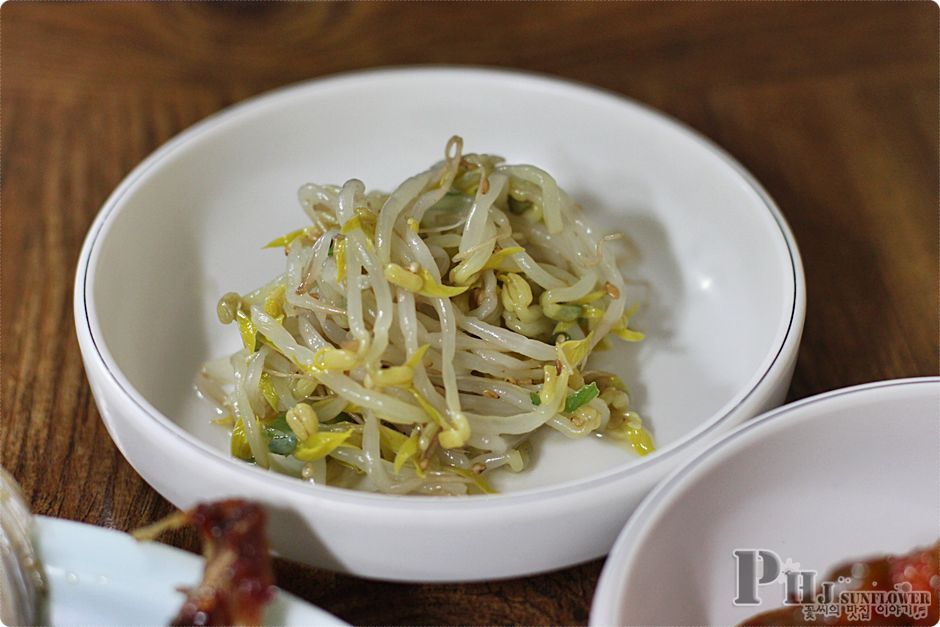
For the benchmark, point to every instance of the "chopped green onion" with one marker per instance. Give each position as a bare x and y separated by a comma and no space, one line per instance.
281,439
581,397
282,443
585,395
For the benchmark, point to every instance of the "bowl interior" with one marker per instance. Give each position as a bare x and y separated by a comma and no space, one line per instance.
852,476
710,265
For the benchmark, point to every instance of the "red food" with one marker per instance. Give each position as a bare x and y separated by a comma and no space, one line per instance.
916,572
237,581
917,569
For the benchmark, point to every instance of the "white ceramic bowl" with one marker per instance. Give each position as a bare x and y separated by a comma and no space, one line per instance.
724,315
844,475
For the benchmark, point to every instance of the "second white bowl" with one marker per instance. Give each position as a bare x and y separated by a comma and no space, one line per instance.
846,475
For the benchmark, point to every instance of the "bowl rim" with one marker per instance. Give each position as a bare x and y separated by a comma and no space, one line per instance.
604,607
86,318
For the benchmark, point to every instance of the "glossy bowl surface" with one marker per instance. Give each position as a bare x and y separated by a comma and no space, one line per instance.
714,265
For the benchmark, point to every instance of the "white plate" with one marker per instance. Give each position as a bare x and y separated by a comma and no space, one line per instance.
98,576
723,318
844,475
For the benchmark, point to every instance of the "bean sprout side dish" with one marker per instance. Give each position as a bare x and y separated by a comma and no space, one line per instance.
416,340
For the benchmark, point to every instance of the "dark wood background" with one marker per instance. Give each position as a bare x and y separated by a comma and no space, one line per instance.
833,106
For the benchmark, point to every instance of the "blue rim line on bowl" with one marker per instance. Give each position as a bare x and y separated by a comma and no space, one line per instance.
649,505
331,493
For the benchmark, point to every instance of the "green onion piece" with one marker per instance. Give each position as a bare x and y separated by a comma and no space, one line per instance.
584,395
281,438
279,423
282,443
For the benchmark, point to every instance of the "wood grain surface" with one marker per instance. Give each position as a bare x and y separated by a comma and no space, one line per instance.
833,106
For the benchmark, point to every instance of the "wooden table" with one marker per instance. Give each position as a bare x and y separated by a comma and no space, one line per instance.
832,106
